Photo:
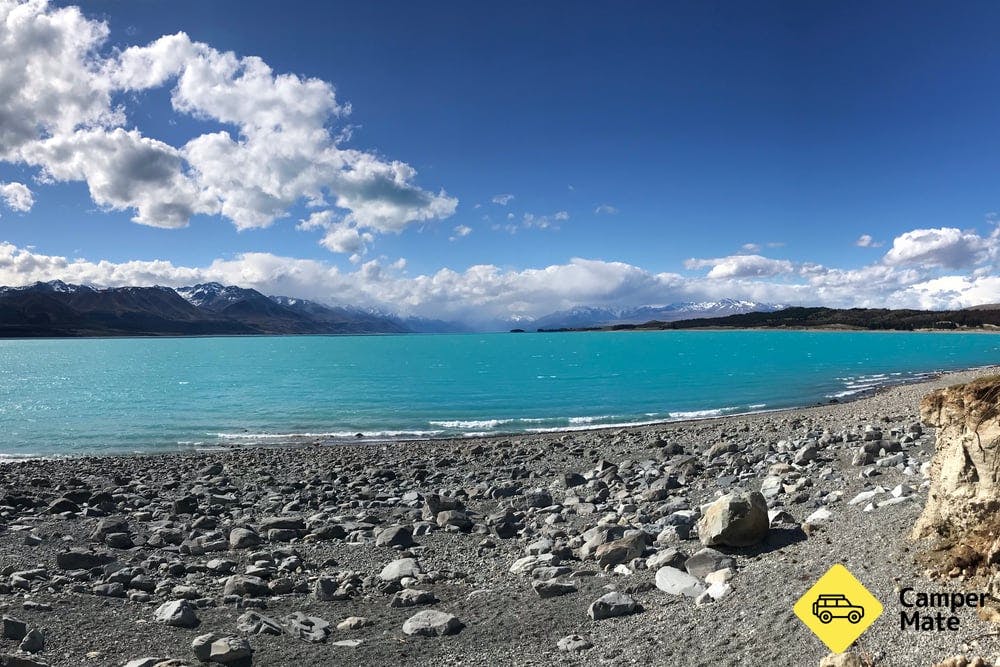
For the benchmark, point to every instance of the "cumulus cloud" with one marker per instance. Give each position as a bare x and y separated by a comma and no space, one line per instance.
59,113
605,209
341,236
742,266
954,292
502,200
867,241
483,292
17,197
946,247
459,232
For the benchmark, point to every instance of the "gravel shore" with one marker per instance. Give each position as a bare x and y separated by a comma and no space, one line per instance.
113,559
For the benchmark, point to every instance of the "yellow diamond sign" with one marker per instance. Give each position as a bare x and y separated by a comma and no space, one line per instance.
838,608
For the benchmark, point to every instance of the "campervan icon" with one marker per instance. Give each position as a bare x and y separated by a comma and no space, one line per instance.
828,607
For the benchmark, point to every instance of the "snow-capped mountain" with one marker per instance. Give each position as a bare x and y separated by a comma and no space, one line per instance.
215,296
590,316
340,319
51,287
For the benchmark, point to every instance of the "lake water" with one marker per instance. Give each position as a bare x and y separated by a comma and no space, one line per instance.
80,396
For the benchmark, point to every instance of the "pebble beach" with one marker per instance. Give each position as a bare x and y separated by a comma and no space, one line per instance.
579,547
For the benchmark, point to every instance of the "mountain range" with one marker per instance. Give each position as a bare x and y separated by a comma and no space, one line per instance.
587,317
59,309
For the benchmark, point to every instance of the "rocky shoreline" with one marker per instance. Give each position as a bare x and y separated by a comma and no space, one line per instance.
584,547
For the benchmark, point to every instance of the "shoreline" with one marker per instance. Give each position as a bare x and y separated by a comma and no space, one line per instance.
279,531
267,441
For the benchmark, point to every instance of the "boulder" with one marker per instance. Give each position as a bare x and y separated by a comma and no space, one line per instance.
552,588
612,605
309,628
574,643
706,561
76,559
231,651
243,538
672,581
353,623
737,519
432,623
13,628
33,642
395,536
253,623
411,597
178,613
621,550
242,584
201,646
403,567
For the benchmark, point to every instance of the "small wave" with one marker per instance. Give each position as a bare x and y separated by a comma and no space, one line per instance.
472,423
701,414
588,420
590,427
757,406
846,393
15,458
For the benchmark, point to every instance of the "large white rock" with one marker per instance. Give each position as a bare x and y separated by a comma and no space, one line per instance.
865,496
431,623
177,613
822,515
397,569
737,519
612,605
677,582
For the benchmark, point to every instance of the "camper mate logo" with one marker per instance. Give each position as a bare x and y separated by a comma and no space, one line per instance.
838,608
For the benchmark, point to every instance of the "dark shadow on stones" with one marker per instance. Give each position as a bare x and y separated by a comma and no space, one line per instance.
777,539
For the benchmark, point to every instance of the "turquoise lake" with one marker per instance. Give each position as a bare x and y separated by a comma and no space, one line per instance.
83,396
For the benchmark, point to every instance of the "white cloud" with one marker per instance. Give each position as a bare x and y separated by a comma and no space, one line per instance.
867,241
742,266
341,236
605,209
346,239
751,247
275,149
123,170
502,200
17,197
532,221
953,292
460,231
945,247
483,292
51,80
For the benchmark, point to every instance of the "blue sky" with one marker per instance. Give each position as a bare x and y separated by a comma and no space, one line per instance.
661,139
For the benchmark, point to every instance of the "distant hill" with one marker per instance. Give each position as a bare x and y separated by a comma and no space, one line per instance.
250,308
343,320
56,309
850,318
592,316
